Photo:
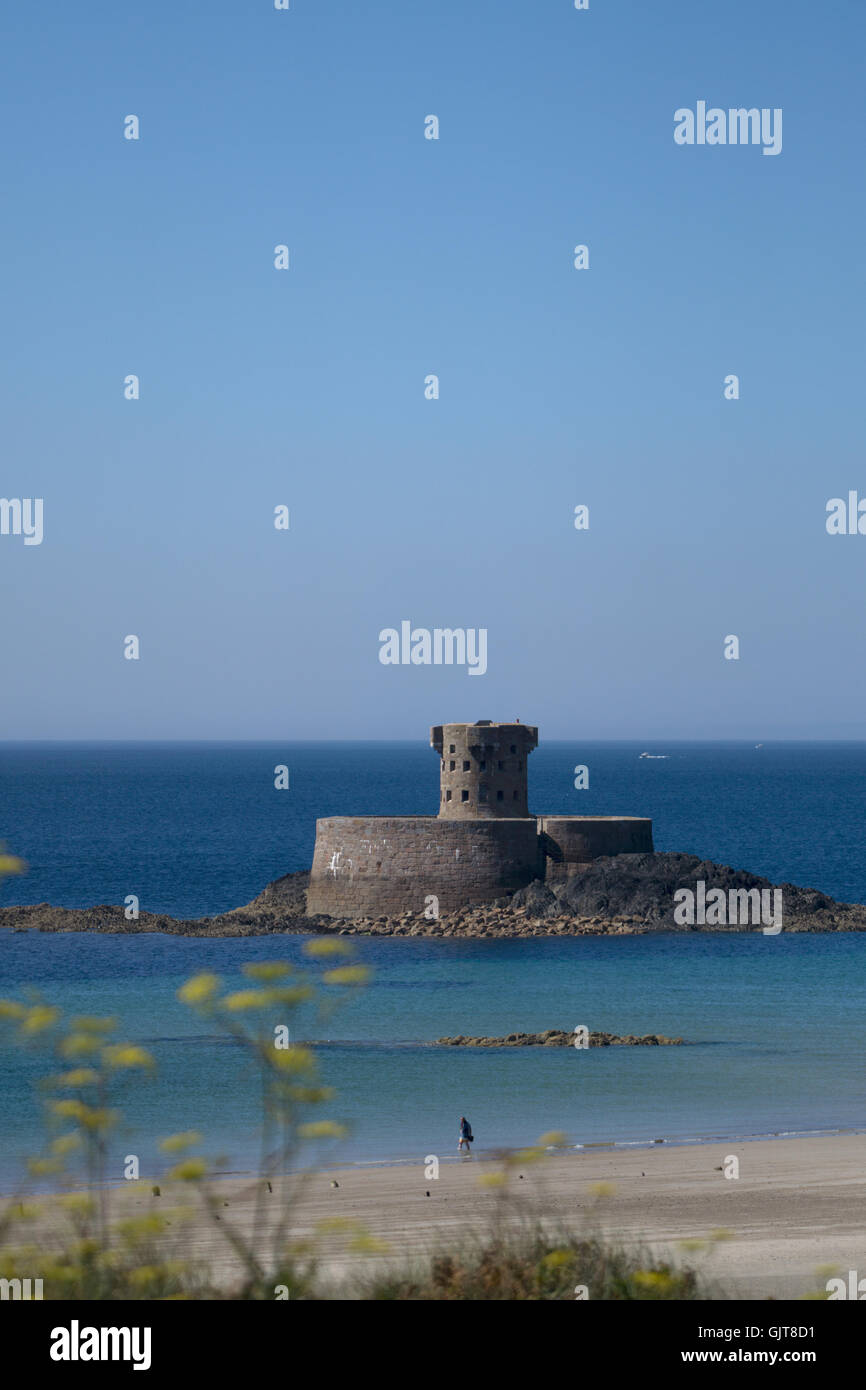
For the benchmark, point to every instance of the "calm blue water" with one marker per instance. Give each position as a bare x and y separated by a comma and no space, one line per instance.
197,829
774,1023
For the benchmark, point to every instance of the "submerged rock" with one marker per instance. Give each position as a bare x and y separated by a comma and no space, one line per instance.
556,1037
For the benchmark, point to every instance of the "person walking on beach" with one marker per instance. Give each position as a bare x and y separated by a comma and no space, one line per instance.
466,1136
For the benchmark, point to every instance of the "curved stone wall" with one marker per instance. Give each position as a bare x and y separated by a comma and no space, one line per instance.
367,866
569,843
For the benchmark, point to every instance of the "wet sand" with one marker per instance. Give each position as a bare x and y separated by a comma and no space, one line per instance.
797,1206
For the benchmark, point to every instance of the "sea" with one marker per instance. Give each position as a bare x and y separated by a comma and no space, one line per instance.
773,1025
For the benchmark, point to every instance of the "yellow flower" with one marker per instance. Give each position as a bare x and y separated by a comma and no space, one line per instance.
200,989
88,1117
95,1119
81,1076
311,1095
274,970
366,1244
524,1156
328,946
602,1189
176,1143
138,1228
9,1008
292,1059
10,865
555,1139
557,1258
652,1279
41,1167
189,1171
347,975
69,1109
248,999
122,1055
65,1144
39,1017
322,1129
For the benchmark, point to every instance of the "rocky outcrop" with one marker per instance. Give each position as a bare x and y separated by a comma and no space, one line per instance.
621,895
280,907
641,887
555,1037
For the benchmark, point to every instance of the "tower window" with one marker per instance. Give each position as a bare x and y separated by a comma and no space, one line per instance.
514,747
465,764
451,748
499,796
452,765
500,766
482,792
514,796
483,767
464,796
448,795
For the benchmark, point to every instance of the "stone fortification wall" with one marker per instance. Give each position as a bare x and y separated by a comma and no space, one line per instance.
569,843
367,866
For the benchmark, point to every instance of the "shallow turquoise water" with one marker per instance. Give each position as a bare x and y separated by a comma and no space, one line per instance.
774,1027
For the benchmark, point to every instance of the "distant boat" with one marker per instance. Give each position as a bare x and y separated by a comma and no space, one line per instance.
655,755
759,745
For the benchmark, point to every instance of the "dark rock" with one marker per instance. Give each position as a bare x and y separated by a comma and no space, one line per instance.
557,1037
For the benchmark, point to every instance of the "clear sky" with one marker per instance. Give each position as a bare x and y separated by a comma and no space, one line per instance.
411,257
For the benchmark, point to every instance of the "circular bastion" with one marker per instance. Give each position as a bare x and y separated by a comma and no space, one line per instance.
370,866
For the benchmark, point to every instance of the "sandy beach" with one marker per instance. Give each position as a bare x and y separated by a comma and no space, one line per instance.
798,1206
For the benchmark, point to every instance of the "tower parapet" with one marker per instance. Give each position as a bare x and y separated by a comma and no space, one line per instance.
483,769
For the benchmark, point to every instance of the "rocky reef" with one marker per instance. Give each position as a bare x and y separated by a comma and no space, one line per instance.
619,895
556,1037
641,888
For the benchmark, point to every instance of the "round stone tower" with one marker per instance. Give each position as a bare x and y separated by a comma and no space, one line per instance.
483,769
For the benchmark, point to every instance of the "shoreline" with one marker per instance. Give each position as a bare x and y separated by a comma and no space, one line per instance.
796,1210
564,1153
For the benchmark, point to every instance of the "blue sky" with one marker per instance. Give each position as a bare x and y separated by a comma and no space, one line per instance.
410,257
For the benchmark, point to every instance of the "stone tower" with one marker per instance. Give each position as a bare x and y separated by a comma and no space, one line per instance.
483,845
483,769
